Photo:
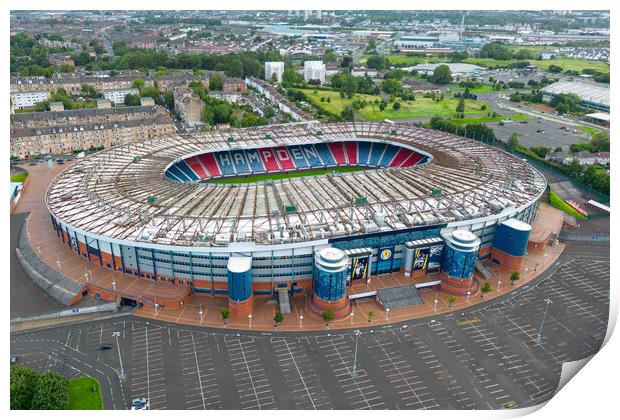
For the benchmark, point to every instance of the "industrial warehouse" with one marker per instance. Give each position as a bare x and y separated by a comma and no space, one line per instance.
428,204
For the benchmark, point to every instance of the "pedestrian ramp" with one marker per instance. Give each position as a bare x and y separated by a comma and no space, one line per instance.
284,301
399,297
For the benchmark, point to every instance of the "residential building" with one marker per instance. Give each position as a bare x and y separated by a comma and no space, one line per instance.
22,100
117,96
103,103
147,101
363,71
64,139
314,70
57,106
274,68
584,158
188,105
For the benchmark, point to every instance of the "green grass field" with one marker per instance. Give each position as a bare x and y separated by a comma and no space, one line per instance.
20,177
560,204
421,107
81,396
566,63
482,120
284,175
481,89
403,60
589,130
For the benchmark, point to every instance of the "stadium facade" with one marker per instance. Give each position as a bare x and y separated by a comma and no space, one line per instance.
171,209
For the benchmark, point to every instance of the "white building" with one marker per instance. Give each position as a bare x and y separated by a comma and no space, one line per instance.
314,70
21,100
274,67
117,96
363,71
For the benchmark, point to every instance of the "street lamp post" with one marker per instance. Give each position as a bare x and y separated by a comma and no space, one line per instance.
387,312
542,322
301,320
435,304
357,336
250,320
468,293
352,314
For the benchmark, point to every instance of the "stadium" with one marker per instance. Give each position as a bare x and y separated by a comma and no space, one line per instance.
228,212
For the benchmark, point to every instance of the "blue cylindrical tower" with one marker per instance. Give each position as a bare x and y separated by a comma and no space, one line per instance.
458,261
239,278
511,237
329,276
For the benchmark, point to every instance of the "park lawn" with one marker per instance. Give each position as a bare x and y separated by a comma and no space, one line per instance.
81,396
403,60
20,177
589,130
336,104
577,64
482,120
283,175
481,89
560,204
421,107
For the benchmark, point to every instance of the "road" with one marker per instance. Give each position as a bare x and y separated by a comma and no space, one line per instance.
485,358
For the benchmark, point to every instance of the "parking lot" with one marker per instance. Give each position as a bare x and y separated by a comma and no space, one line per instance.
487,358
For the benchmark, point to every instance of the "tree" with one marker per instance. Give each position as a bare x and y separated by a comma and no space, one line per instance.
396,106
132,100
347,60
461,106
51,392
451,300
215,83
23,383
382,106
329,56
138,84
486,288
328,316
514,276
391,86
513,141
225,313
278,317
442,75
555,69
377,62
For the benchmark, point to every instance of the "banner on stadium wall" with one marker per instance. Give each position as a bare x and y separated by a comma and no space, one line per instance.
359,268
434,259
420,260
385,254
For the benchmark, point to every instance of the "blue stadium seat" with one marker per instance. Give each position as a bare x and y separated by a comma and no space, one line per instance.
388,155
325,154
174,173
298,157
363,151
255,162
375,154
225,163
184,167
240,162
312,155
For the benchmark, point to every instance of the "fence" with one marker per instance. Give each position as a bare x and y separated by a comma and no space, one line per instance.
106,307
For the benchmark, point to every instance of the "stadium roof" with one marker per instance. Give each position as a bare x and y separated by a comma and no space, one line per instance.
121,192
597,93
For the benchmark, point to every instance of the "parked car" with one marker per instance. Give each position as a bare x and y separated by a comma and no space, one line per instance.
140,404
13,359
106,346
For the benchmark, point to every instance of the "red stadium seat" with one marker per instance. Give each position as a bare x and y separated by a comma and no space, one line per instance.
402,155
268,156
338,152
284,157
208,161
197,167
351,147
412,160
